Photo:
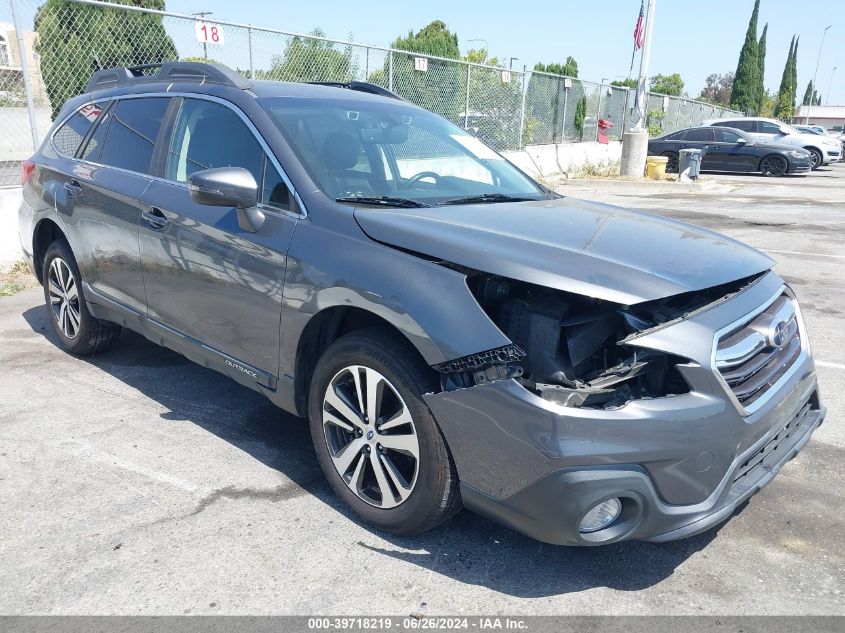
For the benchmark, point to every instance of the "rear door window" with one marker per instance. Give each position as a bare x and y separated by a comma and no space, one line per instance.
700,134
132,132
765,127
68,137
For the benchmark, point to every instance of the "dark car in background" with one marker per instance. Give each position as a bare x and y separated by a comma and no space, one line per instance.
727,149
455,333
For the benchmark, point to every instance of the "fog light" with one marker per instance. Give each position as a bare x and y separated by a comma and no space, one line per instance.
601,516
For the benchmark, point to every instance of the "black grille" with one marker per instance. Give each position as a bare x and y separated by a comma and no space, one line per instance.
753,356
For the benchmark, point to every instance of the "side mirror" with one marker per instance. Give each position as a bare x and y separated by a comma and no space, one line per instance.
741,141
229,187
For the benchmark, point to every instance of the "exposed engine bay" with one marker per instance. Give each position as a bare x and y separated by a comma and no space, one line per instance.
571,349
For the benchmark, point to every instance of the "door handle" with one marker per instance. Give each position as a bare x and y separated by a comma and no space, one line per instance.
73,189
155,218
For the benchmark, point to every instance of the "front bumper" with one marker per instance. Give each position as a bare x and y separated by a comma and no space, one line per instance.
799,165
681,464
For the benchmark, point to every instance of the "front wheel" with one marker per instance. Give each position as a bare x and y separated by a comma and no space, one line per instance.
79,332
376,440
774,165
817,157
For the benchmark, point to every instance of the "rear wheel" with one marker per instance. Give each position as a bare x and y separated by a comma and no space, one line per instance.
79,332
817,157
376,441
672,163
774,165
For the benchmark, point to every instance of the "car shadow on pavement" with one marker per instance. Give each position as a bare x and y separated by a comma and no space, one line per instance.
468,548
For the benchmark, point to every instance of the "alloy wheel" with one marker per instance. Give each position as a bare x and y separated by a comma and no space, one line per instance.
371,436
774,166
816,158
672,163
64,298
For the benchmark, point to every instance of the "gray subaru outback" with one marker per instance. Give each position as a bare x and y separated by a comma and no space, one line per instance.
455,333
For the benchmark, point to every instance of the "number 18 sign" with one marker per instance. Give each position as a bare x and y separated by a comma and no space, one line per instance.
208,33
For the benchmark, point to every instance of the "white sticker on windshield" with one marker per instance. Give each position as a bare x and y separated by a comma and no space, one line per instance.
479,149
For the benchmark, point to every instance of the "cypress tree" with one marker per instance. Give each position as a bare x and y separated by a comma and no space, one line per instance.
784,103
809,93
745,94
761,64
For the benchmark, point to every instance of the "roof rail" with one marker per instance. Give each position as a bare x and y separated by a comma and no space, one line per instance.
168,71
360,86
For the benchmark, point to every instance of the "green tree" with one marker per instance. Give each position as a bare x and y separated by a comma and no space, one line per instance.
625,83
717,89
495,101
809,94
744,95
435,39
74,40
580,116
436,89
671,85
767,105
785,102
306,59
761,72
567,69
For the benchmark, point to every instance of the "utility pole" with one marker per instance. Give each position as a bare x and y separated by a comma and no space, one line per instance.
829,84
635,140
201,15
821,46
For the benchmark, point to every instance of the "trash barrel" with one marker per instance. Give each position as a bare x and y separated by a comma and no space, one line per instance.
655,167
689,163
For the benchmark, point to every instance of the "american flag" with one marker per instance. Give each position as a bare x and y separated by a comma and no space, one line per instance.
639,31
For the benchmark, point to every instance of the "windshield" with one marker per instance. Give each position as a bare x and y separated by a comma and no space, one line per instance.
393,153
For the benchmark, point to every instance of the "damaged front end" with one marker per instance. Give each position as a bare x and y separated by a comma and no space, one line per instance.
577,351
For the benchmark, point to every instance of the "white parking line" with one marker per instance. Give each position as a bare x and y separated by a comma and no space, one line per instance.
769,250
824,363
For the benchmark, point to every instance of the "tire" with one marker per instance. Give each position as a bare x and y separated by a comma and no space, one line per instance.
774,165
429,484
817,157
672,163
79,332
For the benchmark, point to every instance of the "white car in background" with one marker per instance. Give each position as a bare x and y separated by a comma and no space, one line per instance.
825,150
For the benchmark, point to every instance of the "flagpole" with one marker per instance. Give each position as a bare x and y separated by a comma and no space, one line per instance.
633,54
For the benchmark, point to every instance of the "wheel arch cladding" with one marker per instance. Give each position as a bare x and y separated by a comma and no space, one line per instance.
429,304
46,232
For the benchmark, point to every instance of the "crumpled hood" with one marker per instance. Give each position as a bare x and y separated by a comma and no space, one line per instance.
573,245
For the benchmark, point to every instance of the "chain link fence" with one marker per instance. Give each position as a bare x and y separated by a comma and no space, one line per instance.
64,42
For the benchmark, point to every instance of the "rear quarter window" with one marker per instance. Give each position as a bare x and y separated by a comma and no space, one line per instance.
69,135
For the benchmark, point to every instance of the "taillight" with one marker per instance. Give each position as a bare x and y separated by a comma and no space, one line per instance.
27,167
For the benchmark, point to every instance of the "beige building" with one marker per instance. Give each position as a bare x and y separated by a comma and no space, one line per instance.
11,69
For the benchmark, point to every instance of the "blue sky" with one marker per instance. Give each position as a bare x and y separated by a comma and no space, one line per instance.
692,38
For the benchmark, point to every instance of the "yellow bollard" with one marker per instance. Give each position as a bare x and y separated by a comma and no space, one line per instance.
655,167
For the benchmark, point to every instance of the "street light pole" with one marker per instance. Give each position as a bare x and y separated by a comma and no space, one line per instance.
829,84
821,46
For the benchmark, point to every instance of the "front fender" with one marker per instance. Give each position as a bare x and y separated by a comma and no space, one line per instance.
428,303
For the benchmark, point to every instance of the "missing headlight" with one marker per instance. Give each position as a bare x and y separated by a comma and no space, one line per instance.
573,355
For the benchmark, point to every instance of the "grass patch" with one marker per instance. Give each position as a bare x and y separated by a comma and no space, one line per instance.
600,170
18,277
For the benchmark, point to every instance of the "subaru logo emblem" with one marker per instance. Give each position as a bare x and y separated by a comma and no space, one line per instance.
369,435
777,334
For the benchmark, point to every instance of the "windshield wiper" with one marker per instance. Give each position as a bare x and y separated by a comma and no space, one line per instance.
485,198
385,201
